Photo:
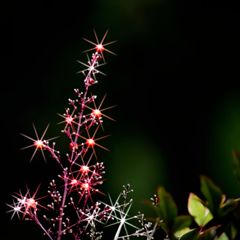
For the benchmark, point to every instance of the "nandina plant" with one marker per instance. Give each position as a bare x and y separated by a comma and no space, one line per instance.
70,208
211,216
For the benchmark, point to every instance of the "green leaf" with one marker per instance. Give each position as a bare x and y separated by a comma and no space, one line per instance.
181,222
210,233
180,233
212,193
234,232
222,237
196,208
229,206
166,208
191,235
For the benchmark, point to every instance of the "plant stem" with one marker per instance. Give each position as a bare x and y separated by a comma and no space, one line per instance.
62,206
41,226
119,230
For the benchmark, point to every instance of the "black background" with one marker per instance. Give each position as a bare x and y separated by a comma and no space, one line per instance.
176,61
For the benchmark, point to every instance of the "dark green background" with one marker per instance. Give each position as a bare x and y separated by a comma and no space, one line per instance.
175,81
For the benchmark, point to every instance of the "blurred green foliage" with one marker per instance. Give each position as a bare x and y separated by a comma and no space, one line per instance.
223,140
214,216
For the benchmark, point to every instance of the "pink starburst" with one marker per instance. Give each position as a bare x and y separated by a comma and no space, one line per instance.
91,141
86,180
84,186
72,211
69,119
100,46
38,143
97,112
27,204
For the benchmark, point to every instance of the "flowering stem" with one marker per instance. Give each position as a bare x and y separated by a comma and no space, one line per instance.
92,66
54,156
62,206
80,120
119,230
35,218
79,174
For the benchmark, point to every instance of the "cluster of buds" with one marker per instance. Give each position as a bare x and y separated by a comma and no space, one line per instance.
69,209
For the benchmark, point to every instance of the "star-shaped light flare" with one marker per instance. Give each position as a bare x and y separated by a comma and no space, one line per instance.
93,215
86,179
15,208
69,118
39,143
91,68
26,204
97,111
118,213
100,46
91,141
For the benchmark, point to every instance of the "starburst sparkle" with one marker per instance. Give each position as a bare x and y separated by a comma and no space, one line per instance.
70,209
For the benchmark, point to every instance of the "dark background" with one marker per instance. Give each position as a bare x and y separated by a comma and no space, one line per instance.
175,81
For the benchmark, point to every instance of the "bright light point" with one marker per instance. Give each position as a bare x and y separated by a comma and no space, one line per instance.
74,182
39,144
17,209
99,47
85,186
90,142
31,203
123,220
96,113
69,119
91,68
112,208
22,201
84,169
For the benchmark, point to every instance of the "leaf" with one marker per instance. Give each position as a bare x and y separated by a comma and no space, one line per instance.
234,232
191,235
229,206
210,233
201,214
212,193
222,237
181,222
181,232
166,208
